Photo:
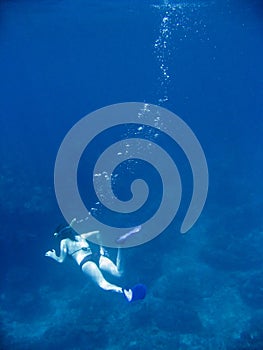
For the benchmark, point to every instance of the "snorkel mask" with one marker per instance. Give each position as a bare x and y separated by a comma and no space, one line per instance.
61,229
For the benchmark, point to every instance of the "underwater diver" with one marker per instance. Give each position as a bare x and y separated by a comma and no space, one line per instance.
77,247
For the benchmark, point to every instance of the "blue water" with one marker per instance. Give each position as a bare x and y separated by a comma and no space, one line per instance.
62,59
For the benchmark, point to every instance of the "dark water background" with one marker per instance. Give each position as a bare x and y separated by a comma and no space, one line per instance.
60,60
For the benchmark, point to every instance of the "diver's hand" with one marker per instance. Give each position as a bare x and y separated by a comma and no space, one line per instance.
51,254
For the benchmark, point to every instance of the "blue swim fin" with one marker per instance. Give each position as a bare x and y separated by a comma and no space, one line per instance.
137,292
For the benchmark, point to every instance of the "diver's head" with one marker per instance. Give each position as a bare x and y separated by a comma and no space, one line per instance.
65,231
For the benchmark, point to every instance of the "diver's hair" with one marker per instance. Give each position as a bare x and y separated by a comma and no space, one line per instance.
65,231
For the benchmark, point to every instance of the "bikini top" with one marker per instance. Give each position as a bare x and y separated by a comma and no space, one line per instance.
85,248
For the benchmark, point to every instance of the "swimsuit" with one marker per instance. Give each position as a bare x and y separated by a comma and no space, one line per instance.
91,257
94,257
83,248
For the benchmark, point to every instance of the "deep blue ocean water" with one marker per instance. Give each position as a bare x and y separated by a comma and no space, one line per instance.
59,61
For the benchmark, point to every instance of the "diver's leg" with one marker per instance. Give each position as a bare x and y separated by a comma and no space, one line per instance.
104,252
106,264
92,270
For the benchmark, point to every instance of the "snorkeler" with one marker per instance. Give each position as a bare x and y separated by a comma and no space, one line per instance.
77,247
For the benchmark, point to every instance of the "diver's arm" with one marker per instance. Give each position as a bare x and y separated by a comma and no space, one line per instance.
86,235
63,252
118,261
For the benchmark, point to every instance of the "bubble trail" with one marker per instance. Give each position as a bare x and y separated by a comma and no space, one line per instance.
183,19
148,188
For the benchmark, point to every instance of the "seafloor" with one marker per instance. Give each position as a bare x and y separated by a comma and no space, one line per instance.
205,288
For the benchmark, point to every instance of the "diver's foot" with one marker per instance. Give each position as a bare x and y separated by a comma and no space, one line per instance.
137,292
127,293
